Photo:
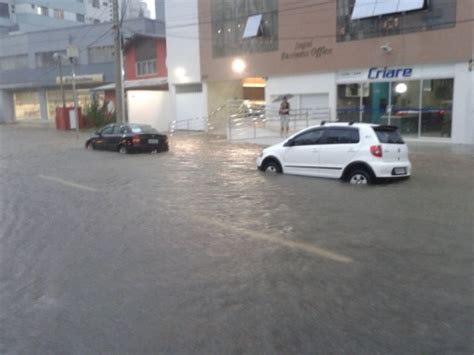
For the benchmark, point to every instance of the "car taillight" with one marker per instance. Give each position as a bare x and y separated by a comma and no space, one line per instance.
376,150
136,139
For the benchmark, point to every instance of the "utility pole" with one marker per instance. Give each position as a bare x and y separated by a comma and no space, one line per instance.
119,99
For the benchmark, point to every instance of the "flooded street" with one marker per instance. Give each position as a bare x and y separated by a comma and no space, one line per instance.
195,251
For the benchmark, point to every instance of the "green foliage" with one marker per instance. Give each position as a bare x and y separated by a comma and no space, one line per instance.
97,115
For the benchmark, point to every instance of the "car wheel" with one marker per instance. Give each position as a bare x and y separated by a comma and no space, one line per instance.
272,167
123,149
359,177
89,146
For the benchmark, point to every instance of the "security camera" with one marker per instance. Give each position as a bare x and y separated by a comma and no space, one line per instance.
386,48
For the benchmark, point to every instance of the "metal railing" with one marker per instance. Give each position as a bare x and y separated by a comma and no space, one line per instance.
197,124
266,122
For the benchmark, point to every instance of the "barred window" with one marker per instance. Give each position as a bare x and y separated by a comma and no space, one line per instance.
146,67
14,62
46,59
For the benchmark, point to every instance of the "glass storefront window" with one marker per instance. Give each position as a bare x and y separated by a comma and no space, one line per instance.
419,108
27,105
405,106
348,102
436,112
376,103
55,100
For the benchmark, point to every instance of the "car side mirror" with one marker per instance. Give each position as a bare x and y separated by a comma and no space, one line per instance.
289,143
97,133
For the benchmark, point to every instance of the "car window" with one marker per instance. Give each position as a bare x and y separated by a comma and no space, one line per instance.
342,136
107,130
388,135
124,130
142,129
117,129
309,138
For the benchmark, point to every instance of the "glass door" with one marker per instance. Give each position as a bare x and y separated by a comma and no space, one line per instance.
405,107
437,108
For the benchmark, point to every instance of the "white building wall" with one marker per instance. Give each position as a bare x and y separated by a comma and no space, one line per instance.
183,57
150,107
463,106
320,84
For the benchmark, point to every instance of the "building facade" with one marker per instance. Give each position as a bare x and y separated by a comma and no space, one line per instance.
29,71
389,62
36,15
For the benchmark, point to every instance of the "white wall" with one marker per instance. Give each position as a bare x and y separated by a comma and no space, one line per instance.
150,107
463,107
182,40
303,84
191,108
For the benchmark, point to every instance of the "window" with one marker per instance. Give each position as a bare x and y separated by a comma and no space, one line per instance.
146,67
58,13
107,130
4,11
80,18
437,107
102,54
42,10
388,135
96,4
46,59
341,136
14,62
255,21
310,137
117,129
188,88
361,19
253,28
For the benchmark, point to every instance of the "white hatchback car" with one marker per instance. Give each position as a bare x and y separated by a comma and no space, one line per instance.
356,152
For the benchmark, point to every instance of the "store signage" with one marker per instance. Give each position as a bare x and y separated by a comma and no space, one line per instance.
82,79
306,49
389,73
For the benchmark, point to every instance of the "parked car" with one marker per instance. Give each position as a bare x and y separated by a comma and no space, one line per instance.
359,153
128,138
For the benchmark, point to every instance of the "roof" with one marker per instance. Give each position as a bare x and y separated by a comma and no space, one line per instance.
140,84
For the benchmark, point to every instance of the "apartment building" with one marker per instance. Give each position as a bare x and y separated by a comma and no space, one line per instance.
403,62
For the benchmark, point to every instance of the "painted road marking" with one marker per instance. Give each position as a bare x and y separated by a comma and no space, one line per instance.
306,247
67,183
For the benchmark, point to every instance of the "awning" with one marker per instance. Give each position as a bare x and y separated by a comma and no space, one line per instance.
140,84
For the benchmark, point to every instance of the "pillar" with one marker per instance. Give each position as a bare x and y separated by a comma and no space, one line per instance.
7,107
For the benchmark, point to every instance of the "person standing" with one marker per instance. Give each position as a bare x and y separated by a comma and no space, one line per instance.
284,116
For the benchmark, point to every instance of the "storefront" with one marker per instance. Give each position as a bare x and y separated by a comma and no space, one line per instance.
418,99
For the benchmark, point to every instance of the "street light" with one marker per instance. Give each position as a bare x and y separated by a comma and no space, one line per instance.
238,65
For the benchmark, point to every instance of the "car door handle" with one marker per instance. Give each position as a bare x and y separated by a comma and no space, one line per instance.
352,150
315,150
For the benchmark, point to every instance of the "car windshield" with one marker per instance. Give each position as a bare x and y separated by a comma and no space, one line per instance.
388,135
142,129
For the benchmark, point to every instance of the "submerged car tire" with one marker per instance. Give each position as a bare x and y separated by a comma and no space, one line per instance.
123,149
272,167
359,177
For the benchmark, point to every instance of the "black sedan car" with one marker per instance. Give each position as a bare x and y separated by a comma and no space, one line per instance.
128,138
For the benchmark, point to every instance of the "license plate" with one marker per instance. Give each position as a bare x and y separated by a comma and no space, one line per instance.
400,171
153,141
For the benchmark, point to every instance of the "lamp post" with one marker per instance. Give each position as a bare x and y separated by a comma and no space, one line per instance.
59,57
73,55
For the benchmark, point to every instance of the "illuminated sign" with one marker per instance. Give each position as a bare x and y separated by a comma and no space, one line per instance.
82,79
